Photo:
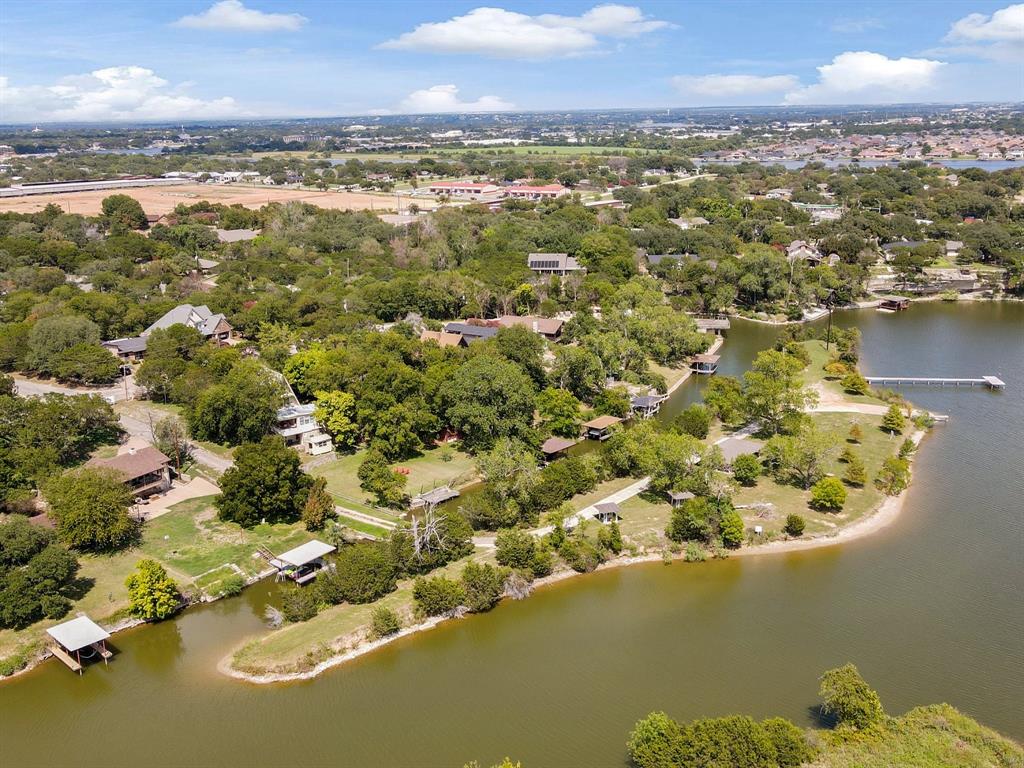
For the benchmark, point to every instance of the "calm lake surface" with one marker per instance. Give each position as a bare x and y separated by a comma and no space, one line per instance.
930,609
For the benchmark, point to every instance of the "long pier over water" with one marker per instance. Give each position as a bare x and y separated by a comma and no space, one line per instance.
992,382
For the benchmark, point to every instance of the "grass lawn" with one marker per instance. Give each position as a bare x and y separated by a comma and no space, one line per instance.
359,525
785,499
814,374
426,471
643,523
608,487
672,375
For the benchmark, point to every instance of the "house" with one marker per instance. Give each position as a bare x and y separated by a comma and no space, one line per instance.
471,332
206,266
560,264
530,192
690,223
953,248
800,250
470,189
734,447
555,447
678,498
210,325
548,327
236,235
130,349
443,338
144,470
297,425
607,512
779,193
600,428
706,364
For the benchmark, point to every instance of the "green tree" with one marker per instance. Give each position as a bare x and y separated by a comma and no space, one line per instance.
746,468
152,594
377,477
299,603
36,574
894,421
732,529
510,474
437,596
122,213
610,537
694,420
856,434
580,371
483,585
613,401
829,494
855,474
559,412
772,389
90,507
86,364
265,483
907,447
525,348
849,699
51,338
362,573
515,548
795,525
319,506
801,458
241,409
724,396
736,741
384,622
489,398
656,742
791,747
894,476
855,384
336,412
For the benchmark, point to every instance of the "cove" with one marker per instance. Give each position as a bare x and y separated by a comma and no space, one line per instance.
929,609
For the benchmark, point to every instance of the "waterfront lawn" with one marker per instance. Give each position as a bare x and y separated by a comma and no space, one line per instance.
814,376
875,446
643,523
427,470
601,490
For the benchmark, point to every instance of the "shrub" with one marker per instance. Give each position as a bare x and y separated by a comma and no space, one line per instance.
231,585
437,596
694,520
515,548
746,469
732,529
907,447
580,554
543,562
736,741
384,622
795,525
298,604
610,538
849,699
854,383
791,747
829,494
483,585
152,594
36,574
856,434
362,573
656,742
695,553
894,421
894,476
855,473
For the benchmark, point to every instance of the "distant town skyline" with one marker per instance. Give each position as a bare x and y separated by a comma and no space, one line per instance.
118,61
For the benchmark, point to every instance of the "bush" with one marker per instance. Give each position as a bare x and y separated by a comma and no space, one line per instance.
829,494
736,741
437,596
855,384
907,447
695,552
610,538
694,520
377,477
732,529
695,420
894,421
543,562
856,434
795,525
894,476
656,742
746,469
152,594
231,585
483,585
580,554
515,548
384,622
36,574
849,699
90,507
791,747
362,573
298,604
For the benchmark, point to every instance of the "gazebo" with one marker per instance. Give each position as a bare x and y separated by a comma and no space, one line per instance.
75,636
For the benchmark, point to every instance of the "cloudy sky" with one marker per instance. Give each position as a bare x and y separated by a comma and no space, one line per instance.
116,60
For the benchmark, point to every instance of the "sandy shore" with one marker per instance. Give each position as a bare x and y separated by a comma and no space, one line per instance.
884,515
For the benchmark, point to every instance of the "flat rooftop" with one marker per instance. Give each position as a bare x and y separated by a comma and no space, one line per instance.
78,633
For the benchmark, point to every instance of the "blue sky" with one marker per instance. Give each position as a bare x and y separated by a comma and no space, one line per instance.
119,60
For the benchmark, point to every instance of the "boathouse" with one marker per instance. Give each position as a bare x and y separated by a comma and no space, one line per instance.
303,563
894,303
715,325
706,364
79,639
555,448
645,406
600,428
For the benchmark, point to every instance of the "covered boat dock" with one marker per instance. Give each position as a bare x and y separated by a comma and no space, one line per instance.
74,637
303,563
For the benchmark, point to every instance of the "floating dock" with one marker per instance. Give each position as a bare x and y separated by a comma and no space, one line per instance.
992,382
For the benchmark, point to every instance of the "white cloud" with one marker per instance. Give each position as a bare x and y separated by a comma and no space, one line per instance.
505,34
445,98
724,87
999,36
864,77
851,26
233,15
114,93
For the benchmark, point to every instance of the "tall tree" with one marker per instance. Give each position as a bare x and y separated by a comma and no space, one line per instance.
489,398
265,483
90,507
772,389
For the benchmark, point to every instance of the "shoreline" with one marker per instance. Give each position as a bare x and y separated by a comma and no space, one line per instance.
688,373
880,517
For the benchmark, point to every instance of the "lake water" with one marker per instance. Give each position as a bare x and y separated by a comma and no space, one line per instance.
930,609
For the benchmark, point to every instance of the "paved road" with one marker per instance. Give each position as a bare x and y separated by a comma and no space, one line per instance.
139,428
36,388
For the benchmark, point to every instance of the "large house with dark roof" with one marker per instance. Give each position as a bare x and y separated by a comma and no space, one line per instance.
144,470
212,326
560,264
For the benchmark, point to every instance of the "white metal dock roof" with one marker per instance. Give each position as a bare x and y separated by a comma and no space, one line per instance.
306,553
78,633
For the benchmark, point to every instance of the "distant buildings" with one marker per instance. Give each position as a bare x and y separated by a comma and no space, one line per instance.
530,192
559,264
469,189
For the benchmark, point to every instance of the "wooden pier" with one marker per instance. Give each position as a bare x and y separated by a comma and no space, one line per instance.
992,382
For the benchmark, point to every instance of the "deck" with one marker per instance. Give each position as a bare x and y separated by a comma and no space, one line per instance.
992,382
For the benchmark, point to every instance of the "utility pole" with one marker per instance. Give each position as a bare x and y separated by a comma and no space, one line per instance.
829,301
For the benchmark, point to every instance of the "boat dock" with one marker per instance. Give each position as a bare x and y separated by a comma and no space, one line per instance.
992,382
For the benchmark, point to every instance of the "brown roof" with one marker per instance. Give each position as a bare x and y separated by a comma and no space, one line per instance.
443,338
602,422
706,358
549,326
556,444
134,465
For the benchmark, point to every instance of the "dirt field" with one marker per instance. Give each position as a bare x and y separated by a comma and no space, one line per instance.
160,200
